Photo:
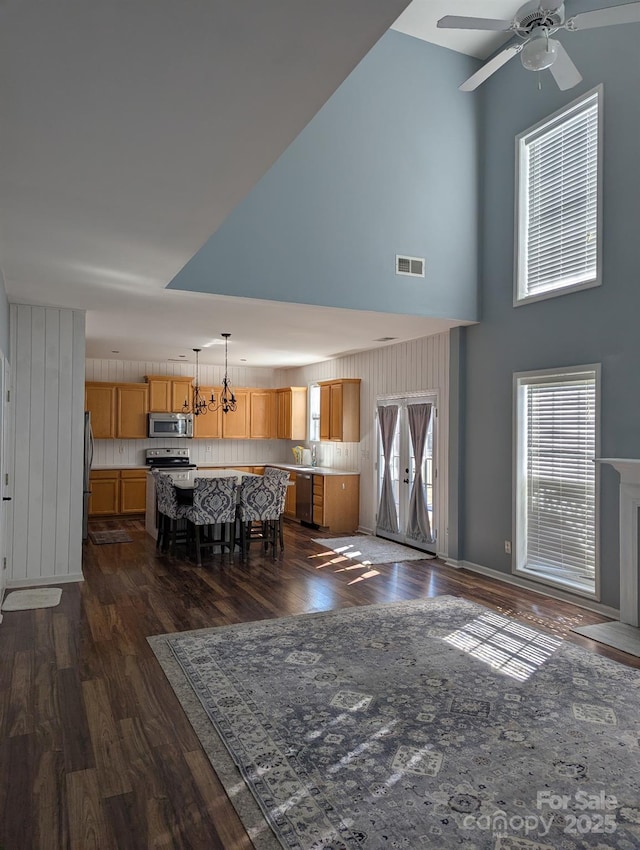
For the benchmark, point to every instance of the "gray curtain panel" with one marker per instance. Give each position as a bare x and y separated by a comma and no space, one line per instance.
418,525
387,516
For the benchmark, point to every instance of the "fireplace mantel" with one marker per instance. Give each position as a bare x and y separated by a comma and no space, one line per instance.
629,469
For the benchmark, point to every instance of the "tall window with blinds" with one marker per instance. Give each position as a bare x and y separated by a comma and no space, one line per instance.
557,434
558,202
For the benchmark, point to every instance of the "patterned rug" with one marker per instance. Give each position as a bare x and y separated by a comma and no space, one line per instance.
100,538
372,550
425,724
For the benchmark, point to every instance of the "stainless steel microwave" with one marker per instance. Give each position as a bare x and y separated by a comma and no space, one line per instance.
171,424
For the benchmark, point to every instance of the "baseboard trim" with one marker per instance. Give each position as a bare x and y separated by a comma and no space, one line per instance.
543,590
43,581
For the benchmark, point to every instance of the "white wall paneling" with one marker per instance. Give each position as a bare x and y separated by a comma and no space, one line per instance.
420,364
202,452
133,371
47,369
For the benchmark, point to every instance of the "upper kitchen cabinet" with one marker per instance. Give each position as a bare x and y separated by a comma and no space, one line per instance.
262,414
340,410
168,394
132,407
292,413
99,400
235,425
209,424
117,410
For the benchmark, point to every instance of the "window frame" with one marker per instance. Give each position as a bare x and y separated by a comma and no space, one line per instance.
519,537
520,297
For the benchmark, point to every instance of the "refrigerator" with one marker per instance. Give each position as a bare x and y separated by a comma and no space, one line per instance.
88,460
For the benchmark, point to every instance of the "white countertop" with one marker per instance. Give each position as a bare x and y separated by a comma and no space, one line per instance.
119,466
315,470
184,479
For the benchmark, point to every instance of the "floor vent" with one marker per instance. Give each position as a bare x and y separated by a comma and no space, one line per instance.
412,266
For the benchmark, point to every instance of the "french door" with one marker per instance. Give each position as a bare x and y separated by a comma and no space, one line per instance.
406,470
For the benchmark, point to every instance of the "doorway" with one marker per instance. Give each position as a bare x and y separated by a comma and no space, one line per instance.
4,422
406,471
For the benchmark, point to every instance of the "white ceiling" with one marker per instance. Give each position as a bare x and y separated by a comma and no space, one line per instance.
130,131
420,20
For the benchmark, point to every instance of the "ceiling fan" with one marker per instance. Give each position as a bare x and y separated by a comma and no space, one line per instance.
535,23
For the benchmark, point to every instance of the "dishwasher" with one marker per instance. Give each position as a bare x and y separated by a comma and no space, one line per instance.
304,497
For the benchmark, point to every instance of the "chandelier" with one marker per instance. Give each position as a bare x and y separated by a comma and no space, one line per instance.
226,402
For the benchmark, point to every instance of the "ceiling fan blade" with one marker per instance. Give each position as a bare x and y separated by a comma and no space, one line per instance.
458,22
564,71
627,14
490,67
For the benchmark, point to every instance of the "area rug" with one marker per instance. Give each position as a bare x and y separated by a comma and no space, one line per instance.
100,538
37,597
425,724
372,550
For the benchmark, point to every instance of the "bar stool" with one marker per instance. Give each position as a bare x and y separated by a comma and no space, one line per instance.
214,503
259,512
279,475
170,514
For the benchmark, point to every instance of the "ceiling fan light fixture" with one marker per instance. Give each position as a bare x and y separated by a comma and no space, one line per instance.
539,53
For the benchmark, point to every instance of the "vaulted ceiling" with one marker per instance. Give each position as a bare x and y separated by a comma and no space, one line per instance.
131,130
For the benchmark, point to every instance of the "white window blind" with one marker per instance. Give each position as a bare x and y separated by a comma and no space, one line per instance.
558,187
557,484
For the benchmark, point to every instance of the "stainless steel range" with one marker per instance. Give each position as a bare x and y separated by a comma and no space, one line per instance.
162,459
168,459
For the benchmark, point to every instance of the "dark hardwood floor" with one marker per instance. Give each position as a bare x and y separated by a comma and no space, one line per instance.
95,751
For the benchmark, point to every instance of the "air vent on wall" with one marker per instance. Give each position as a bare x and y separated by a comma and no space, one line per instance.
385,339
412,266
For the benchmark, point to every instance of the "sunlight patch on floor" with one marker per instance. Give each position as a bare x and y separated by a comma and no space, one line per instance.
505,645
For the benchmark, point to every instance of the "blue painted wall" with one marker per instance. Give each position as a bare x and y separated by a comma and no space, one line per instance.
388,166
597,325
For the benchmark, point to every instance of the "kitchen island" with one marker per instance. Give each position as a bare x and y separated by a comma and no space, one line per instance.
335,493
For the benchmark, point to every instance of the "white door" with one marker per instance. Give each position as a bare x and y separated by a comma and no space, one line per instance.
406,509
4,428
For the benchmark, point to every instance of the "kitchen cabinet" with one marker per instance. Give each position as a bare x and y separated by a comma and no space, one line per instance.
262,414
340,410
132,491
167,394
117,491
132,406
117,410
235,426
104,484
336,502
292,413
208,425
99,400
290,499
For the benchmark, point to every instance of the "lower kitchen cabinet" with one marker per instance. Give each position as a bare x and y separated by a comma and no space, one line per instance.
290,501
117,491
104,486
336,502
133,491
